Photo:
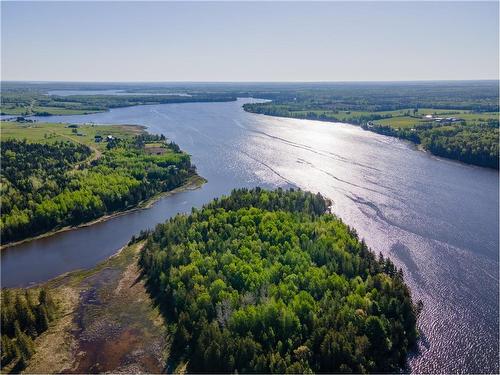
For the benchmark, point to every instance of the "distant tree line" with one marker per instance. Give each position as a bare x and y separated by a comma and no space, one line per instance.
45,104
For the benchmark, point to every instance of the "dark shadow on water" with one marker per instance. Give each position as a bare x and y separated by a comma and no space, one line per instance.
403,253
423,344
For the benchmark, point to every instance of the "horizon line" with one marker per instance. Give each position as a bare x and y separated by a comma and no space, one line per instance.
261,82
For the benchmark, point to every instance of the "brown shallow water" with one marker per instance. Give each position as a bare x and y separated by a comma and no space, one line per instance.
106,323
437,219
114,325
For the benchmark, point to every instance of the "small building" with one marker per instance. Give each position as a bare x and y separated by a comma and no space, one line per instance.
109,138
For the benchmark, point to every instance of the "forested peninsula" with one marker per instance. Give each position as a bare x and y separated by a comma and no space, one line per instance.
55,175
270,282
259,281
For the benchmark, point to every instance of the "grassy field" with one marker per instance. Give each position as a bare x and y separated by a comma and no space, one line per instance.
401,118
52,132
401,121
344,115
479,116
31,110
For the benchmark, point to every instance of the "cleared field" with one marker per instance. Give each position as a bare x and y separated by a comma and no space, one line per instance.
400,122
403,121
401,113
52,132
430,111
153,144
479,116
22,111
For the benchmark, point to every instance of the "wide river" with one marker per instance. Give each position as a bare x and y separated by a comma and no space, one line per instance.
437,219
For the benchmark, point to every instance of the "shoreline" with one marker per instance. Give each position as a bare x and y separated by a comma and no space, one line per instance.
91,112
418,146
83,334
193,182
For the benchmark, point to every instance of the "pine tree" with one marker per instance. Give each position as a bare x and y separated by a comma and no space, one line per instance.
24,342
42,319
7,350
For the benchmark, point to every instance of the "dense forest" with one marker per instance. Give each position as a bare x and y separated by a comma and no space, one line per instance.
476,144
267,281
25,315
45,187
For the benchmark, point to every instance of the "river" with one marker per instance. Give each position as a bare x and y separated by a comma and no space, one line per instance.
437,219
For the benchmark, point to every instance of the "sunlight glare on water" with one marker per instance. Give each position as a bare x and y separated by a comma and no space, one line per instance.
437,219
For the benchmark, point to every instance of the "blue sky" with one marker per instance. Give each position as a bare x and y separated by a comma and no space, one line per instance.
249,41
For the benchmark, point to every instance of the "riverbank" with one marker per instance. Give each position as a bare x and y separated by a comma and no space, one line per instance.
472,141
52,185
194,182
106,322
25,101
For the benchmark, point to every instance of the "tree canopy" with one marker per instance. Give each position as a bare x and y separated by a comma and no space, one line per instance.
268,281
25,315
45,186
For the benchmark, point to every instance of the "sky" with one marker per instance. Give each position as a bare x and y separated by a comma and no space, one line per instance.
249,41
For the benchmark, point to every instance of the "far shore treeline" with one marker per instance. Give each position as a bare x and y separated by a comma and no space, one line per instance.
464,124
456,120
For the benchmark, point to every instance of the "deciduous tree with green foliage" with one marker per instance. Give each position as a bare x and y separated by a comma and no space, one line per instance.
268,281
45,186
